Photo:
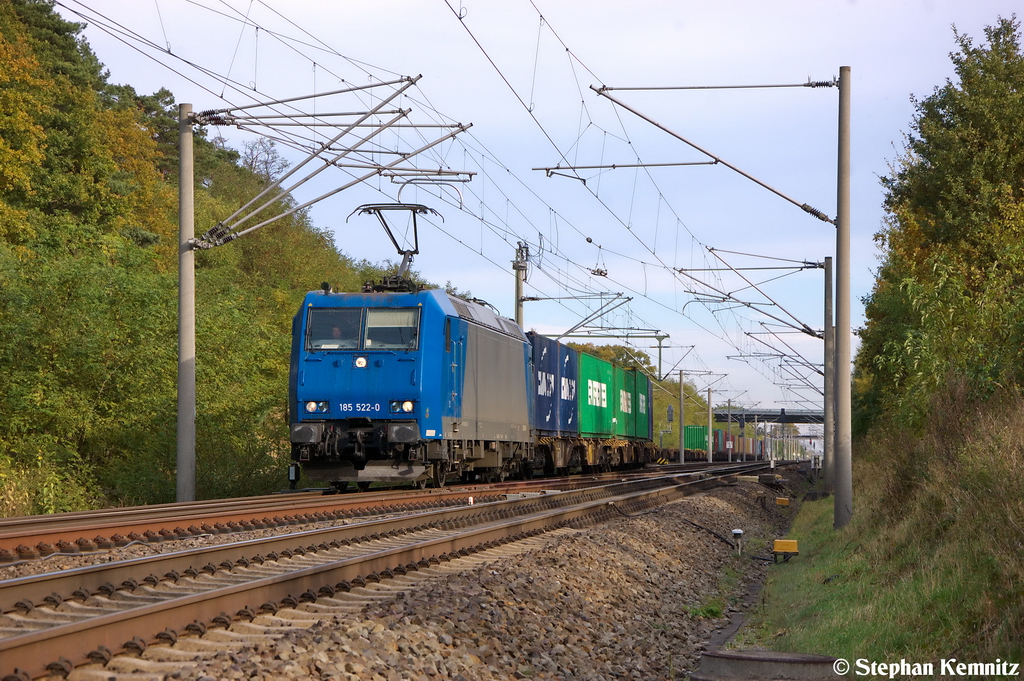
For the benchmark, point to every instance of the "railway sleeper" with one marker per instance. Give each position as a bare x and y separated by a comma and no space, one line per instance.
208,582
286,618
130,598
182,653
244,628
233,636
266,570
183,587
45,614
205,644
135,665
99,673
19,623
164,591
341,600
94,609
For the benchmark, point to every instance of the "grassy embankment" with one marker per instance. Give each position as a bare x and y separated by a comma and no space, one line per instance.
932,564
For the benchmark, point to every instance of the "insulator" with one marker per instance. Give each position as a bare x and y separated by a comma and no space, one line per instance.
215,232
816,213
822,83
229,237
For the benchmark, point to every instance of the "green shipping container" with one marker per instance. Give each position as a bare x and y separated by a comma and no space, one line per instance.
696,437
642,407
597,397
625,411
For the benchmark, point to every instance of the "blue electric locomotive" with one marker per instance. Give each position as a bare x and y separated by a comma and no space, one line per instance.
408,386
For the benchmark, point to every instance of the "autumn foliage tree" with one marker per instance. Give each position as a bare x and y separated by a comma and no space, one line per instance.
947,301
88,288
938,375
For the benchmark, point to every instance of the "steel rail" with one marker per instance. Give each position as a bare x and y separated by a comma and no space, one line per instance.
69,527
93,578
31,654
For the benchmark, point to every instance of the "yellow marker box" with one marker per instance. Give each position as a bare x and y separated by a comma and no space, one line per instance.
785,546
782,501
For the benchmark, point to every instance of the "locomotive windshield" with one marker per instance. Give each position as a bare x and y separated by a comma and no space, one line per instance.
341,328
333,328
391,329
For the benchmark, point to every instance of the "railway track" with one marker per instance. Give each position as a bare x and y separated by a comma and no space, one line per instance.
113,612
32,537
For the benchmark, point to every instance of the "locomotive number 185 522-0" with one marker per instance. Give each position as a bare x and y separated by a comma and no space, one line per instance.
360,406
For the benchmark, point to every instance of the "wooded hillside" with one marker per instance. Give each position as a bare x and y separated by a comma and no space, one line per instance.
88,288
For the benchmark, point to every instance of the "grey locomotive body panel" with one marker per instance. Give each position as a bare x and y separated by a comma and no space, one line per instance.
495,388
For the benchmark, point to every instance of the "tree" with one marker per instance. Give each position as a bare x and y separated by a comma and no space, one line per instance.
946,299
620,355
88,288
262,159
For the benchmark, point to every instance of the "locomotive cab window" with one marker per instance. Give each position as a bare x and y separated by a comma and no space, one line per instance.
333,328
390,329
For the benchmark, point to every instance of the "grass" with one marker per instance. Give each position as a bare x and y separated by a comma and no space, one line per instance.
931,566
712,609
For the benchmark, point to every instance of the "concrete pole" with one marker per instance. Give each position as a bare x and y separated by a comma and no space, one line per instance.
843,508
828,439
682,419
743,434
660,339
710,432
186,442
754,448
728,429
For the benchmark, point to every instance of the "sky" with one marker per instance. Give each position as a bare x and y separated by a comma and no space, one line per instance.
543,143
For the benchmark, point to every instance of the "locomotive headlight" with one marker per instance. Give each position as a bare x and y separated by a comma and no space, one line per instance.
360,362
316,407
399,406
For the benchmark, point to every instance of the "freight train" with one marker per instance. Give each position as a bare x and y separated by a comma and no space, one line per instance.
421,385
724,447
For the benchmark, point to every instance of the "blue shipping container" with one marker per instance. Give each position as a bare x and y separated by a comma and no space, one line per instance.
555,368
